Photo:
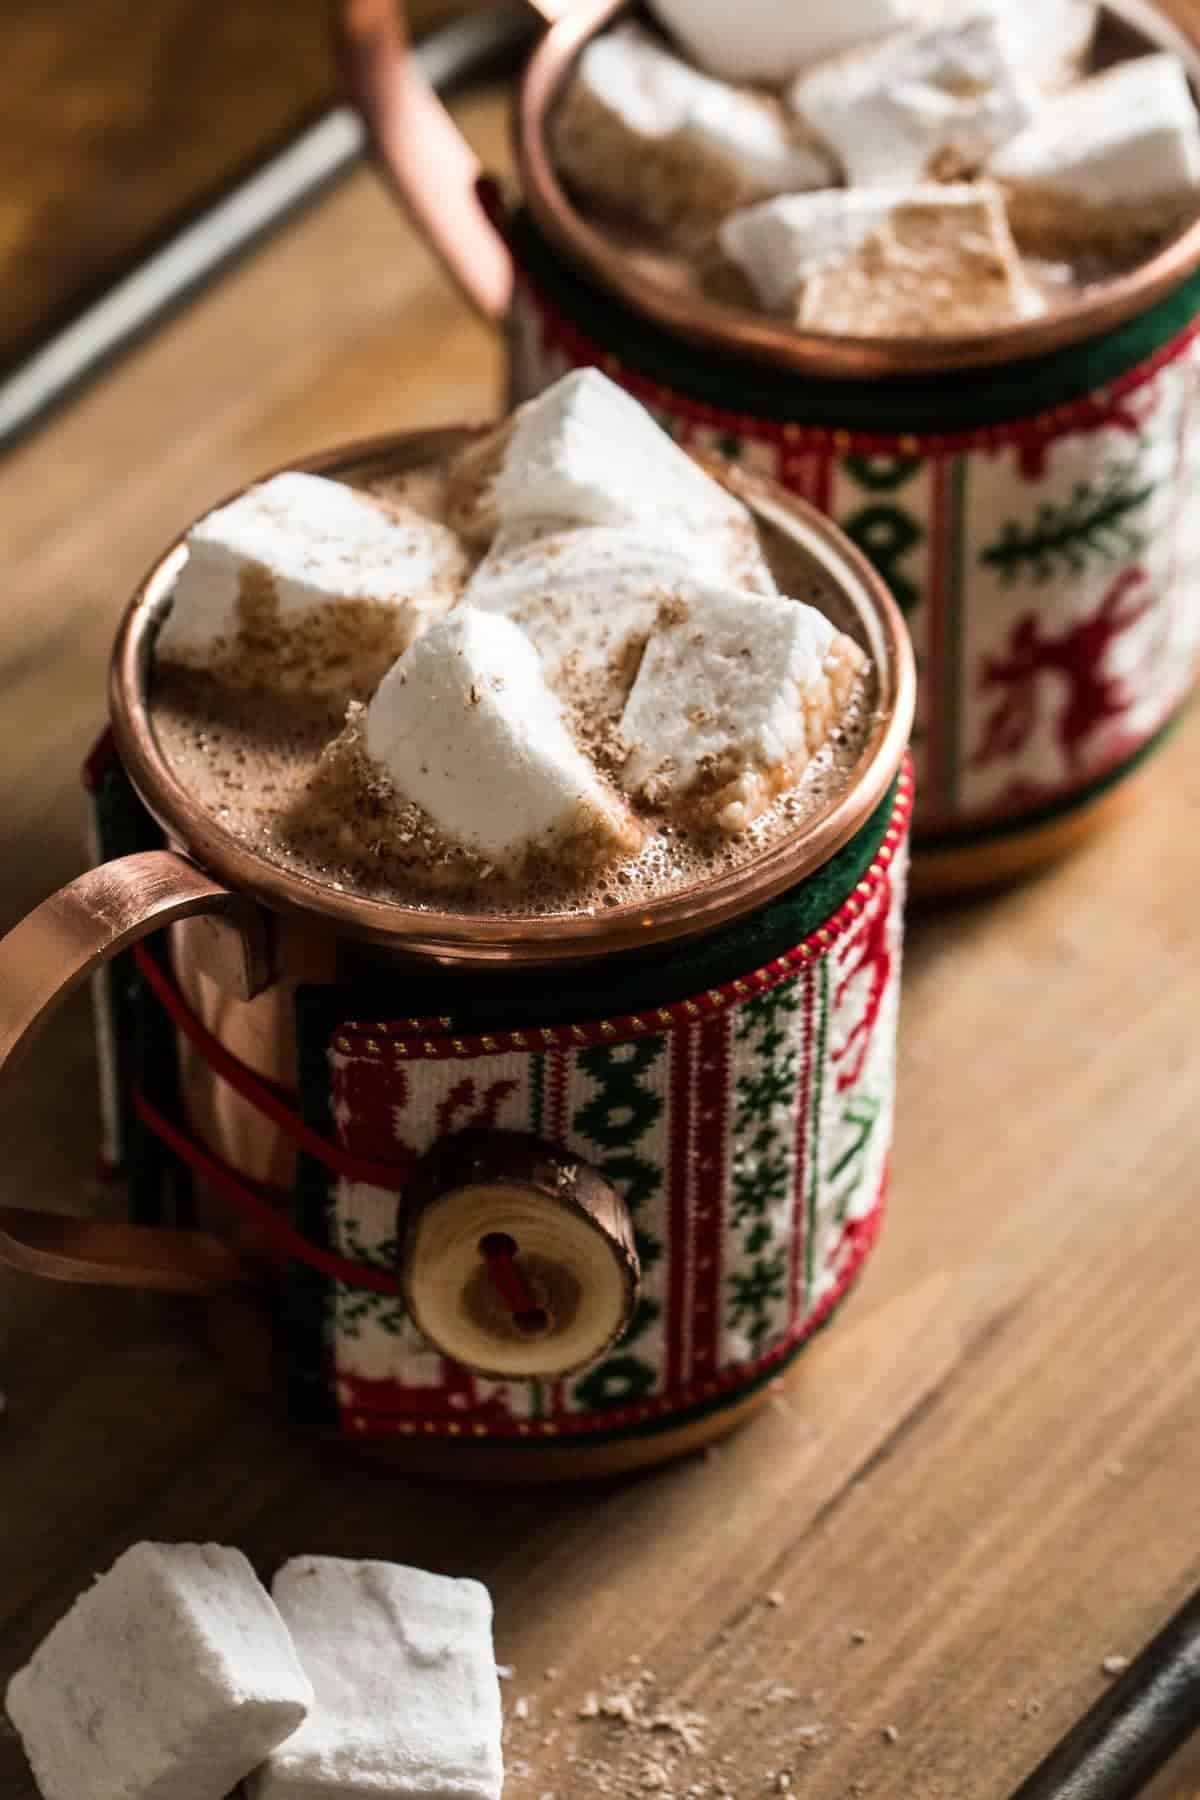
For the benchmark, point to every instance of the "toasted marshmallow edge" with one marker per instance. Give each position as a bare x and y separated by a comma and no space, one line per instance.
300,545
891,110
585,452
588,597
173,1673
642,131
735,694
1129,137
780,243
407,1700
465,725
769,40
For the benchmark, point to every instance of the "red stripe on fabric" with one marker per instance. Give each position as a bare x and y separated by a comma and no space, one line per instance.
259,1211
680,1250
371,1409
800,1172
709,1186
377,1039
822,488
267,1097
1089,411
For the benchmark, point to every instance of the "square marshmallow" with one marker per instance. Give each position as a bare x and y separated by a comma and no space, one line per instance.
465,725
769,40
588,596
862,261
299,546
1048,42
169,1679
587,453
735,694
942,95
404,1673
1107,165
641,131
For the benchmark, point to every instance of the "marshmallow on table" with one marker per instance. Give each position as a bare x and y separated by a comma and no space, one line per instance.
769,40
1107,166
586,453
870,261
735,694
642,132
170,1679
300,579
465,725
942,95
404,1673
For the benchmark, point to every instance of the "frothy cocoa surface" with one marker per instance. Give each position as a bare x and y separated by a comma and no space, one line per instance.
285,774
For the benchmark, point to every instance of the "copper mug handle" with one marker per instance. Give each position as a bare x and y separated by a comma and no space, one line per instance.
420,149
42,960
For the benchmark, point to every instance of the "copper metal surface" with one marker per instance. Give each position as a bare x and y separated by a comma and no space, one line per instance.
436,180
42,960
246,998
456,938
739,331
419,146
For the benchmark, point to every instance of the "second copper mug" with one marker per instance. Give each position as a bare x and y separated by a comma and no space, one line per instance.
1027,494
525,1196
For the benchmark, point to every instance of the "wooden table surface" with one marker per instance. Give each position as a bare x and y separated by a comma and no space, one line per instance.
117,121
978,1485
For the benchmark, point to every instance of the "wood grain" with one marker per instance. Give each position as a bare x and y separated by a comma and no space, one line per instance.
980,1483
118,120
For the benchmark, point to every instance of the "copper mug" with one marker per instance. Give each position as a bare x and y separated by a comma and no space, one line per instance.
559,1194
1025,493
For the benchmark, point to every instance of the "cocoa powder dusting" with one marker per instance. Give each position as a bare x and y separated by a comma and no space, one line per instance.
276,756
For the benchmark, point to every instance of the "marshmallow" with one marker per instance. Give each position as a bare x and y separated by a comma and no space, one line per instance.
735,694
300,580
1108,166
642,132
465,725
769,40
407,1699
1048,42
935,98
586,453
869,261
170,1679
588,596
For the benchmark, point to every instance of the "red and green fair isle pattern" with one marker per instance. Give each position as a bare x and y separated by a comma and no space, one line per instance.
747,1128
1044,565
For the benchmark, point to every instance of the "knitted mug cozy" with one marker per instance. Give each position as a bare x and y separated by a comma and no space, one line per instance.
1032,520
737,1093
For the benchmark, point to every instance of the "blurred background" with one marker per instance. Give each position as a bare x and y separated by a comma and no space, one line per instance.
119,122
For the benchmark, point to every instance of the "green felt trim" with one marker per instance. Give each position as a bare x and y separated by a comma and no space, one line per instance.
968,838
160,1190
304,1319
612,985
954,401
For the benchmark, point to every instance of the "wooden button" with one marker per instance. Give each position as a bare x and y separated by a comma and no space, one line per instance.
517,1258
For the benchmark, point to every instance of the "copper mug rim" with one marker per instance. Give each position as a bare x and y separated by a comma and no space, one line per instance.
459,938
738,330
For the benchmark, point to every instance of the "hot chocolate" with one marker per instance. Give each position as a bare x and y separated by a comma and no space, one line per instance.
523,754
881,167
